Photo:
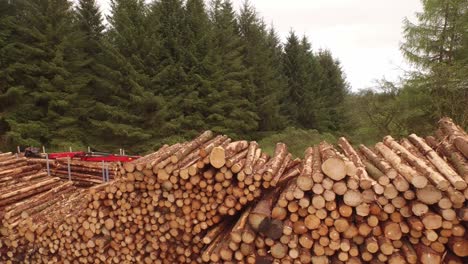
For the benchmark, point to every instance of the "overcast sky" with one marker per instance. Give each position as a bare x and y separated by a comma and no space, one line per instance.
363,34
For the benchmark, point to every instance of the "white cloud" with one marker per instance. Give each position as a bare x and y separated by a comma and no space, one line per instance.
363,34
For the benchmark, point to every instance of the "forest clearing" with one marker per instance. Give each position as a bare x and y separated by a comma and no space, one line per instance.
215,200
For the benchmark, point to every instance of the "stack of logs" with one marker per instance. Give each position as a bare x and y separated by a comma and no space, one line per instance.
83,174
212,200
25,190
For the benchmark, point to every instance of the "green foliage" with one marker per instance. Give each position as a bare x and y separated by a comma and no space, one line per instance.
261,52
438,48
437,44
390,109
158,72
296,139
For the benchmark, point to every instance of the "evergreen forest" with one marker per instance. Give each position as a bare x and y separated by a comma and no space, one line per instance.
162,71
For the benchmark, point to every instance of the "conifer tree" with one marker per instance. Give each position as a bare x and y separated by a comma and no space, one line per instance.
333,91
39,57
261,57
295,66
195,38
437,44
229,108
125,104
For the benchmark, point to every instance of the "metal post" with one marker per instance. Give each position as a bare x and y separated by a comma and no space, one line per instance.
107,172
70,149
89,149
69,169
123,152
47,164
103,172
43,149
18,149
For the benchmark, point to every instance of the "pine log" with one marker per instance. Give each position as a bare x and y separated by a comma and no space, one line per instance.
439,181
410,174
191,146
236,147
332,165
378,162
365,181
10,197
426,255
217,157
439,163
279,173
305,181
249,163
276,162
455,134
459,246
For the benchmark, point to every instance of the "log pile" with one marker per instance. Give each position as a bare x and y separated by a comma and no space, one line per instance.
84,173
212,200
25,191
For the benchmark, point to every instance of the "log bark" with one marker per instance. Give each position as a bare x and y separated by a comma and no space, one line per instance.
365,182
278,159
191,146
439,181
439,163
410,174
455,135
249,163
305,181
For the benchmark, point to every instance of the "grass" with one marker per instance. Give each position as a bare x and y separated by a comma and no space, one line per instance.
296,139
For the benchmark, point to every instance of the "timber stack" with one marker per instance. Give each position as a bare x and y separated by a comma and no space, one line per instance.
214,200
83,174
25,190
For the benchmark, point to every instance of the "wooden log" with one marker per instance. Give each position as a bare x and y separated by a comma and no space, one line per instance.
457,160
455,134
375,173
378,162
352,198
253,146
276,178
459,246
259,217
365,181
217,157
439,181
206,149
410,174
9,197
451,258
235,147
191,146
439,163
305,181
276,161
426,255
392,230
332,165
429,195
236,158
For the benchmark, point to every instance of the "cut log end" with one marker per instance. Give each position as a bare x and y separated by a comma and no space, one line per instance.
305,183
334,168
218,157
